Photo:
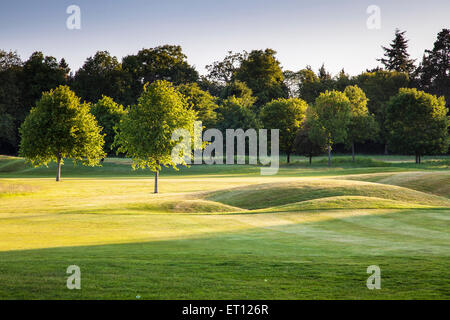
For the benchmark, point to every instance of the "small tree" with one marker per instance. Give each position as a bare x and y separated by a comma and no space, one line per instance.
108,114
61,127
307,147
362,124
417,123
330,116
145,132
286,115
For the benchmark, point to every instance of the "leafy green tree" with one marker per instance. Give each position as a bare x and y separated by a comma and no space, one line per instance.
362,126
330,116
397,56
145,132
380,86
201,102
100,75
261,71
236,113
417,123
108,114
60,127
167,62
306,146
433,74
286,115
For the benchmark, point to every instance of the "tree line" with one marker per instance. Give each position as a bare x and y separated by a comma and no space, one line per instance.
313,110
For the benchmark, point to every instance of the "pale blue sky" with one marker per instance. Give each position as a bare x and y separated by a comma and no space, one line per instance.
302,32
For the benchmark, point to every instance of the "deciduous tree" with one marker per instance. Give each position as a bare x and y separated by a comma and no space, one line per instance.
61,127
145,132
286,115
330,116
417,123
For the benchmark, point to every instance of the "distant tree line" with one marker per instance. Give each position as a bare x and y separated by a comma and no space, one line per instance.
313,110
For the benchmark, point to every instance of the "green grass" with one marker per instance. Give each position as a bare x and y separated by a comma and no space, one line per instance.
225,232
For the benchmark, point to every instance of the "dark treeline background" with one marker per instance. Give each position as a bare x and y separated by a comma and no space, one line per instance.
230,95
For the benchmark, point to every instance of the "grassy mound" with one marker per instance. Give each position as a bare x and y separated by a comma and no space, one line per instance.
184,206
276,194
345,202
437,183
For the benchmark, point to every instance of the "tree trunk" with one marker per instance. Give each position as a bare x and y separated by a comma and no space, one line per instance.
288,157
353,151
329,155
58,167
420,160
310,159
156,181
386,149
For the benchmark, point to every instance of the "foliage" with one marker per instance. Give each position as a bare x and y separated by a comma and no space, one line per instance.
286,115
240,90
262,73
397,56
380,86
330,115
362,124
165,62
100,75
59,126
203,103
223,71
10,97
108,114
40,73
433,75
236,113
417,123
307,147
145,132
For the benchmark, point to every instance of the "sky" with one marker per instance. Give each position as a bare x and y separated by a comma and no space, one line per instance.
303,33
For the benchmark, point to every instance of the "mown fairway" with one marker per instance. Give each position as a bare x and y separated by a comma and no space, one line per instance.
225,232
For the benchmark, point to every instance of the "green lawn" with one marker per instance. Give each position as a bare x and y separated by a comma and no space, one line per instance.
225,232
